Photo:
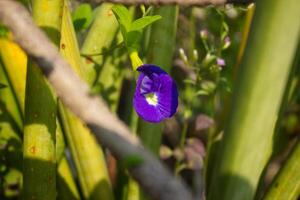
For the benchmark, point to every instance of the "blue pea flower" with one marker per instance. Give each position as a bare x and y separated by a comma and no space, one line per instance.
156,95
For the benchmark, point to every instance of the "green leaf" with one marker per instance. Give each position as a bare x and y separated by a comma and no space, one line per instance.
141,23
123,16
82,17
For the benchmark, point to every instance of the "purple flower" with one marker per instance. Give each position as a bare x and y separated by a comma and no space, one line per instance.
221,62
156,95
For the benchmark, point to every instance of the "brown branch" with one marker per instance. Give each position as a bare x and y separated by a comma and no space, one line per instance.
108,129
166,2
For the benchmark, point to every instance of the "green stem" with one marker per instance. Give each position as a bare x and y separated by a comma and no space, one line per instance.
40,114
262,78
87,154
181,146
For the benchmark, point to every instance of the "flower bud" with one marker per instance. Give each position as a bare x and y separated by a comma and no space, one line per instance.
227,42
204,34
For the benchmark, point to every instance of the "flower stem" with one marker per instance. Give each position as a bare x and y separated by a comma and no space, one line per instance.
135,60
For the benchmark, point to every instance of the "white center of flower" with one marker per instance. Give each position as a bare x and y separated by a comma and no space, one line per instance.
152,99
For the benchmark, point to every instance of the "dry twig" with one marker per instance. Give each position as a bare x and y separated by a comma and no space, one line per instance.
108,129
166,2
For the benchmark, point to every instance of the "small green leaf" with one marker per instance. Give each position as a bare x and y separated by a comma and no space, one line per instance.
132,161
123,16
141,23
82,16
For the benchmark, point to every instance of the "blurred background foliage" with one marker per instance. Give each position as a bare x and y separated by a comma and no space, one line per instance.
201,47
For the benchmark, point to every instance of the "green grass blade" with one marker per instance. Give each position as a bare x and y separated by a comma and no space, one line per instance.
40,114
262,78
87,154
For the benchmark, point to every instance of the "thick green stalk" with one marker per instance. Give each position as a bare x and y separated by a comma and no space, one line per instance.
99,39
87,154
160,52
262,78
286,184
40,114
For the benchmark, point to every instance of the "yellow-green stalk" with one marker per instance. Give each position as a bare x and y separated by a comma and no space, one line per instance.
87,154
40,114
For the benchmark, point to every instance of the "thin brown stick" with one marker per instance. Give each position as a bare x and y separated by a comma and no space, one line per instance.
166,2
74,93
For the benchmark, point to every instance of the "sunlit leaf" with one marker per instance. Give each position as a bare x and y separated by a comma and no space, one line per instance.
123,16
141,23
